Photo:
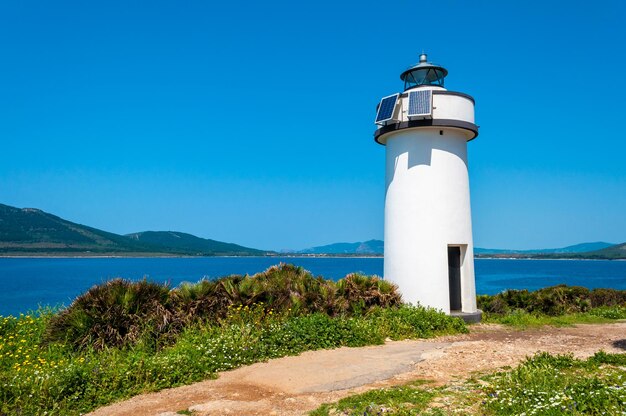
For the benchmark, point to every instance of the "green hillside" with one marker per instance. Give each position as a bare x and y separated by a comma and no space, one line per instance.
614,252
30,231
371,247
176,242
617,251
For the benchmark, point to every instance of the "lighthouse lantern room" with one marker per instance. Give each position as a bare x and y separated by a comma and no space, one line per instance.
429,251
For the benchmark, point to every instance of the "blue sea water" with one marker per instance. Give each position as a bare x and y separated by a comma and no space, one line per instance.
30,282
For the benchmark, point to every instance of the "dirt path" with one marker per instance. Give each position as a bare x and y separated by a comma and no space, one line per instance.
295,385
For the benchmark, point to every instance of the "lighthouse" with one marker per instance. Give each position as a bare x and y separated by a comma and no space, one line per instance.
429,252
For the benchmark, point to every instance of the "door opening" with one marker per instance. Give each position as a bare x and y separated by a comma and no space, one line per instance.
454,277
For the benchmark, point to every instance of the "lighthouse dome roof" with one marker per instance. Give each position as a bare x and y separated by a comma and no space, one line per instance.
423,73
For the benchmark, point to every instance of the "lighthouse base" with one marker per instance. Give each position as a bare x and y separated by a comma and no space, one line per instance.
468,317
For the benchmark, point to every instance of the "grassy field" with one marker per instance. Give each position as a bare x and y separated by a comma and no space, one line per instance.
523,319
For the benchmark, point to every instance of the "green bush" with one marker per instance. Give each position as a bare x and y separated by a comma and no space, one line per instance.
207,299
115,314
561,299
123,313
289,288
607,297
551,301
361,293
493,304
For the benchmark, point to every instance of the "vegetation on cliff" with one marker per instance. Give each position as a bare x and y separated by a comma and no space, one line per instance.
124,338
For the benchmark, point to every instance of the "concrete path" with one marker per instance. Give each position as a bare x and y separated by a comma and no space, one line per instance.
252,390
340,369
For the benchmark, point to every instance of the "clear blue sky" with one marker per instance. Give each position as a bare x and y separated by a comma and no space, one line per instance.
252,122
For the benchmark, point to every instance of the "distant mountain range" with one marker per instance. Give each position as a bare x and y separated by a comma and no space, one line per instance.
29,231
183,243
584,250
364,248
578,248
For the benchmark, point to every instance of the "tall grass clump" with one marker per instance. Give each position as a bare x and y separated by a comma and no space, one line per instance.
115,314
207,299
288,288
360,293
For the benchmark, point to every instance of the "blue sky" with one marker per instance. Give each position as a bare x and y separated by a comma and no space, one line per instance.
252,123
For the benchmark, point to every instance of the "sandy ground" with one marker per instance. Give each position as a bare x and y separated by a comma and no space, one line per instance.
296,385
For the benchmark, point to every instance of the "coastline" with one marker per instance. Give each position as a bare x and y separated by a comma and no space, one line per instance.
59,279
547,259
165,255
295,256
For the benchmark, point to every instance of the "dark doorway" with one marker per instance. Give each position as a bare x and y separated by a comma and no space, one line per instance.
454,277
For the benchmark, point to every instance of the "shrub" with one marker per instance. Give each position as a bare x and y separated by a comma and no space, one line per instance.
517,299
290,288
552,301
121,313
362,293
115,314
492,304
286,289
561,299
607,297
205,300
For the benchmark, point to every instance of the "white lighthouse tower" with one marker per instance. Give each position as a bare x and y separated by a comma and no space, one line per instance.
429,251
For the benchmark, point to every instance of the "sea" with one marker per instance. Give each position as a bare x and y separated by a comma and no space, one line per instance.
29,283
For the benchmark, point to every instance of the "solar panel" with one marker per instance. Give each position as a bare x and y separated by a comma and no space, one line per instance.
385,108
420,103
